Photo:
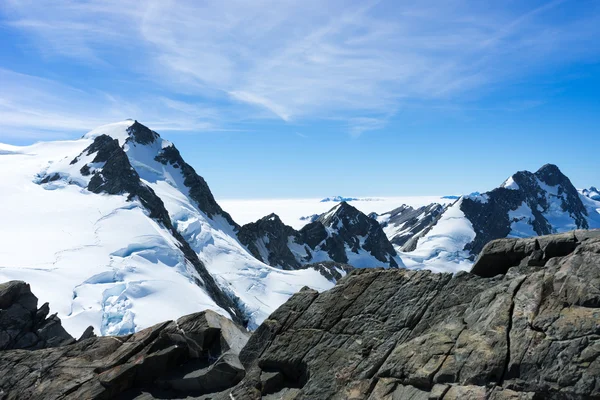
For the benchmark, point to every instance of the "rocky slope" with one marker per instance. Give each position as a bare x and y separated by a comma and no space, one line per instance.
23,325
383,334
342,235
524,325
405,224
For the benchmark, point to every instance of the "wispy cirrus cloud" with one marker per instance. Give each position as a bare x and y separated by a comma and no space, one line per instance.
30,104
343,60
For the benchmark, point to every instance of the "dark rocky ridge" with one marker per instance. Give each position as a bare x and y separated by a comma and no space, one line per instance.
117,176
412,222
23,325
141,134
490,218
198,188
531,333
349,223
333,232
272,234
592,193
330,269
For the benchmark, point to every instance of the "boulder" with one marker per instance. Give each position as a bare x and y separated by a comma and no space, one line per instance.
23,325
501,254
201,347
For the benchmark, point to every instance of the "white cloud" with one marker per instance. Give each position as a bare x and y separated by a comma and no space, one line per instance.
344,60
33,107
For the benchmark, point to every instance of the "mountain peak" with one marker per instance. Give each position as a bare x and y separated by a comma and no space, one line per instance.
141,134
341,210
271,217
552,175
538,204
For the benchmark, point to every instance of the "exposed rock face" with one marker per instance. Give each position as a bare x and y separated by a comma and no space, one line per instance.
195,355
538,194
268,239
356,231
23,325
405,222
141,134
394,334
501,254
198,188
335,236
117,176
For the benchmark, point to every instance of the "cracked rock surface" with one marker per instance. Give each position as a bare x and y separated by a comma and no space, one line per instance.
533,332
193,356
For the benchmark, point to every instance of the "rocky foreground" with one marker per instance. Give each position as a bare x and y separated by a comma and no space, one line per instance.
524,325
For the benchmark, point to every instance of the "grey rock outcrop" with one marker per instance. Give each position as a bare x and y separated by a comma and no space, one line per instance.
23,325
392,334
195,355
499,255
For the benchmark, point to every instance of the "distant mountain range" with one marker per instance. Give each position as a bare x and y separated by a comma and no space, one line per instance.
118,231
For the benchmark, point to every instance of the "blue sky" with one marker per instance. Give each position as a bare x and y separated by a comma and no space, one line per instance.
307,99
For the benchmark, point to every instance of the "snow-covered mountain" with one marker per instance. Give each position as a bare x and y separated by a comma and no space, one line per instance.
403,224
592,193
529,204
116,231
343,235
526,204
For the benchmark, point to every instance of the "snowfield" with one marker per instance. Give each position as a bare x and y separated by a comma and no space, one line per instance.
100,260
441,249
97,259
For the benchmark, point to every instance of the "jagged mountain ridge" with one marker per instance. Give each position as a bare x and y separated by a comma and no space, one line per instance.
343,235
526,204
105,192
154,242
402,224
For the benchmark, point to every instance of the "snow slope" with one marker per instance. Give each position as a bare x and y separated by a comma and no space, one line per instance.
260,288
100,260
442,248
97,259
